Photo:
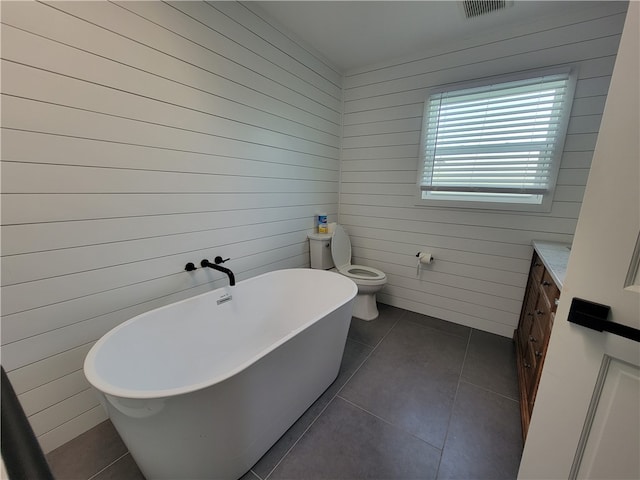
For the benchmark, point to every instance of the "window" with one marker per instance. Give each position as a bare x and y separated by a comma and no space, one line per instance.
495,145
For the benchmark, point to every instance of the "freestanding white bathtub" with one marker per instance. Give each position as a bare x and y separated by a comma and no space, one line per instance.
202,388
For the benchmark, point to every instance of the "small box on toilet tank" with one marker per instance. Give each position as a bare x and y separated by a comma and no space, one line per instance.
320,251
322,223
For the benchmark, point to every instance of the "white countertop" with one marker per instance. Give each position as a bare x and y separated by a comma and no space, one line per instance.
555,257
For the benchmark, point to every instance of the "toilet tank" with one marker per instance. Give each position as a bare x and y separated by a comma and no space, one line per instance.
320,251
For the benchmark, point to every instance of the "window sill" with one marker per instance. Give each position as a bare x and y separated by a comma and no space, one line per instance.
476,204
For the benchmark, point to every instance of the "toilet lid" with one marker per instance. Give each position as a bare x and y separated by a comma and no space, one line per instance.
340,247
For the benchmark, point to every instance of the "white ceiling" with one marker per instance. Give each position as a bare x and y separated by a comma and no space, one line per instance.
354,34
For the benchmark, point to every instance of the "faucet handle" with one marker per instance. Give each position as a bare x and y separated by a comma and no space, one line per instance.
218,260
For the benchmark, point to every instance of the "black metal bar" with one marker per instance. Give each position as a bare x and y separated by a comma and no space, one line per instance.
622,330
206,263
22,456
594,316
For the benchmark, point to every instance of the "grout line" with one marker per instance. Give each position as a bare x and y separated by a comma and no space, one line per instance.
361,343
506,397
453,403
444,332
391,424
108,466
255,474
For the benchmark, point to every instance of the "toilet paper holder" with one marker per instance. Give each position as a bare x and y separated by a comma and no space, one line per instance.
424,258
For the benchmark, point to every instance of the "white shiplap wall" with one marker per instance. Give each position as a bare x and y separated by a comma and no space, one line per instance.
482,258
137,137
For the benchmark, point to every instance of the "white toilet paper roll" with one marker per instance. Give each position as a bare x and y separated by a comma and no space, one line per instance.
426,258
423,259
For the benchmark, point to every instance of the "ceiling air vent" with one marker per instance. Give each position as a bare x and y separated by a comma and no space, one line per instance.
475,8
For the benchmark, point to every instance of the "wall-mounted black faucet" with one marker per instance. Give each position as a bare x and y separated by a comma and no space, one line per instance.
216,266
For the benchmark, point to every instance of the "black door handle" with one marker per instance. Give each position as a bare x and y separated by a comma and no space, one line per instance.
595,316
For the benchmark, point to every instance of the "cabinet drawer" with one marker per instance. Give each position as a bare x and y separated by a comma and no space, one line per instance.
526,320
543,313
530,368
548,286
537,269
537,338
524,330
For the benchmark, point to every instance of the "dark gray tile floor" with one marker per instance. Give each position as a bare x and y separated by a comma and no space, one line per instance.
416,398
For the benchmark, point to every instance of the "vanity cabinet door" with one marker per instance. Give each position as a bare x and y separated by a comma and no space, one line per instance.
532,335
526,320
537,269
530,368
537,341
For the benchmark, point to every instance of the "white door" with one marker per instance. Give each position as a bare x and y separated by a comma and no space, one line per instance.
586,420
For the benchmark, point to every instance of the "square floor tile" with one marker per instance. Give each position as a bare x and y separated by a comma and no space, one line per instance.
437,324
87,454
348,443
484,439
491,363
371,332
410,380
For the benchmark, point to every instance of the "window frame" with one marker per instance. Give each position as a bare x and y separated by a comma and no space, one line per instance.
514,202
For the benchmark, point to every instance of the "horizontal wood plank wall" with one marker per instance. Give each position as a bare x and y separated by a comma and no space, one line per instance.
482,258
137,137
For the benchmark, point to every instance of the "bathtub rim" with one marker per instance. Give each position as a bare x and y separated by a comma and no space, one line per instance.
106,388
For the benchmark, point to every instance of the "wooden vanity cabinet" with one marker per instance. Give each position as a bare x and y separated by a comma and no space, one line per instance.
532,336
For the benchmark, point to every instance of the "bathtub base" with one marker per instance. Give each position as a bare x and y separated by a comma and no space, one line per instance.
220,432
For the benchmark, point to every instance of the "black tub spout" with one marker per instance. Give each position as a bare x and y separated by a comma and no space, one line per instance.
207,263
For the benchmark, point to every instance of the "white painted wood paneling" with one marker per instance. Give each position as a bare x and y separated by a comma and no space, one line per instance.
482,258
137,137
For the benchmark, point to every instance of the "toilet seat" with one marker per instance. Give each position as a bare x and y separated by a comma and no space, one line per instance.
363,275
341,254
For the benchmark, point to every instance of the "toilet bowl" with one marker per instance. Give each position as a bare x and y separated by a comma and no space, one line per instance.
368,279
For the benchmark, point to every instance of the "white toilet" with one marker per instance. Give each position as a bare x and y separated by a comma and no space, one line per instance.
328,251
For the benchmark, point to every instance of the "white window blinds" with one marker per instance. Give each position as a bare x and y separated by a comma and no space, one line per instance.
503,138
